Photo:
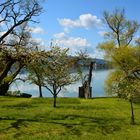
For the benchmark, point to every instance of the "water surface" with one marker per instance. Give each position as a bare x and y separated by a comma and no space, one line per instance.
97,84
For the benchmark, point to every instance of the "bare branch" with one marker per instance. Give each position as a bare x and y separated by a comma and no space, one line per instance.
17,16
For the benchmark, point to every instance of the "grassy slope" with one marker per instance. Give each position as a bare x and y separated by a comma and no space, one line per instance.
73,119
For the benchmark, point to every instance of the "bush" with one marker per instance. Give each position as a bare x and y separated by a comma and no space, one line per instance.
13,93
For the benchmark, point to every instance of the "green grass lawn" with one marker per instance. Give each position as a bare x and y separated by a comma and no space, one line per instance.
73,119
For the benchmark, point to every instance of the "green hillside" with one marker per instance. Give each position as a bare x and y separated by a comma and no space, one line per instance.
73,119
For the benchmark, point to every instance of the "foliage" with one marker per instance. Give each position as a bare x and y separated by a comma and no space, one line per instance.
13,93
15,40
117,84
58,71
125,79
124,57
126,61
36,69
121,30
52,69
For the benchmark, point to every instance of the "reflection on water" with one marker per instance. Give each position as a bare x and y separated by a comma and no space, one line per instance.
98,79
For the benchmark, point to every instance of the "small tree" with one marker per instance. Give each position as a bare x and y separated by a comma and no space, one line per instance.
58,71
124,87
36,69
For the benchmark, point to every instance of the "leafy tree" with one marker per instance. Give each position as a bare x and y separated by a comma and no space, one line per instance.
123,81
36,69
15,42
127,88
58,71
121,30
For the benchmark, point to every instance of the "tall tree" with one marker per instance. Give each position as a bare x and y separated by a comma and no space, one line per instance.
15,42
123,56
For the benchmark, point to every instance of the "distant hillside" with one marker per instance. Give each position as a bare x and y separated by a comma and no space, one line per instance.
99,63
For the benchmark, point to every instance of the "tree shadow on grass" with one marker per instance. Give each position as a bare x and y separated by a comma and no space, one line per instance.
74,124
105,125
16,124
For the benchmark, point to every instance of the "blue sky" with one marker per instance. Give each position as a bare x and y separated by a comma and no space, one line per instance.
77,24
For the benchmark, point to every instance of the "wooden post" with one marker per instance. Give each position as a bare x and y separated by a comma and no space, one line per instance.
86,90
82,92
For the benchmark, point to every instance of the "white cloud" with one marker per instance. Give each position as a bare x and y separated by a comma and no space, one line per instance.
69,23
36,30
86,21
60,35
40,42
89,21
73,43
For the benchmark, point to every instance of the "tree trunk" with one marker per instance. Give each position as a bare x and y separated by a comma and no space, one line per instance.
5,78
4,88
6,81
85,92
54,103
90,73
40,91
132,112
5,70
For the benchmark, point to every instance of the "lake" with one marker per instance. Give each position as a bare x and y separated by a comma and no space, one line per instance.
97,84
